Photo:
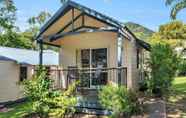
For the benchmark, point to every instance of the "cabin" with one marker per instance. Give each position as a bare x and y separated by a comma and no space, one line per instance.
16,65
95,49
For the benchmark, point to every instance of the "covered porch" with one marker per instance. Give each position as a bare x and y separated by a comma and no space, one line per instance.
89,41
94,48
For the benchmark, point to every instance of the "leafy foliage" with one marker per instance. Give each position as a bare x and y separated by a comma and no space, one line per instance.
164,64
173,33
177,6
140,31
63,1
40,19
172,30
38,91
64,102
7,15
182,67
9,35
15,40
45,100
119,100
35,24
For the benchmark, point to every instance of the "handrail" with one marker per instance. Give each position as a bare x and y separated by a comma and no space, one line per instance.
88,69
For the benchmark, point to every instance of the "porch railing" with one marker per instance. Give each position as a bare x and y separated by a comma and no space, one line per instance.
93,78
90,81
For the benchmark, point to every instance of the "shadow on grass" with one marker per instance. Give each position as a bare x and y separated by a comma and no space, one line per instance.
16,111
176,100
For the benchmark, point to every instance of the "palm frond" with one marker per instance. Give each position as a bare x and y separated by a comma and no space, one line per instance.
169,2
63,1
177,8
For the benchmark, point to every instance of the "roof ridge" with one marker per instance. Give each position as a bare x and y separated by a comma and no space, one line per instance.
111,18
78,6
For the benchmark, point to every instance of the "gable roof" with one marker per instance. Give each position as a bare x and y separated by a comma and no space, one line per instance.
142,43
71,4
89,12
28,57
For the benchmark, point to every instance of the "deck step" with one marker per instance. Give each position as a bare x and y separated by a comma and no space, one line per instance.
93,111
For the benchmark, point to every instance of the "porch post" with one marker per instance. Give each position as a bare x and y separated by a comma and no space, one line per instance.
119,58
40,53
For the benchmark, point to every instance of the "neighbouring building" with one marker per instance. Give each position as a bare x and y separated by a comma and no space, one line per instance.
17,65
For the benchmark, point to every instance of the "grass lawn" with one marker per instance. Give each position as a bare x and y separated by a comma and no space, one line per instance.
16,111
176,102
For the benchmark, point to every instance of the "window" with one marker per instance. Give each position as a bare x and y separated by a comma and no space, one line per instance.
138,58
99,58
23,73
85,58
94,59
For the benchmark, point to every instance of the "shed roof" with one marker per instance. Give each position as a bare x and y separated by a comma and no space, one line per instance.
29,57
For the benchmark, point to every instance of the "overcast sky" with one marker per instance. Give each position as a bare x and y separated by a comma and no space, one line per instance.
150,13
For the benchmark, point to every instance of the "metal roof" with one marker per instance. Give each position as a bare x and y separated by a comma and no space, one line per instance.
29,57
71,4
3,58
90,12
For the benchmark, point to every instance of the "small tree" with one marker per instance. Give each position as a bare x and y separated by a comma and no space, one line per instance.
38,91
164,64
45,100
119,100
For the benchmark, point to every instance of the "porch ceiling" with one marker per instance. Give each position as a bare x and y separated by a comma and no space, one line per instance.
61,22
72,16
83,35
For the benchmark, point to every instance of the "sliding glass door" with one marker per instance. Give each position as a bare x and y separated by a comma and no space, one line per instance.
93,61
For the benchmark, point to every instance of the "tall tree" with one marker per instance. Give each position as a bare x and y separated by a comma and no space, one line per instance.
7,15
177,6
9,35
15,40
35,24
173,33
40,19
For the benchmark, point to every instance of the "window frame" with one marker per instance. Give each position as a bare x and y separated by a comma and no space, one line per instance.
91,86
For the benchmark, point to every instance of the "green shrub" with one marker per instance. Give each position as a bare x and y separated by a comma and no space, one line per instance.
46,101
38,91
64,102
164,65
182,69
119,100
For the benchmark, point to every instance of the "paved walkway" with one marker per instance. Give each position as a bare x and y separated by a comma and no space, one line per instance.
155,108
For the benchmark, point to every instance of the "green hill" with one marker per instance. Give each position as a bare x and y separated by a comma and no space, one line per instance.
140,31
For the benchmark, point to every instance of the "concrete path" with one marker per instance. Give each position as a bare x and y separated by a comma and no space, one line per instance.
155,108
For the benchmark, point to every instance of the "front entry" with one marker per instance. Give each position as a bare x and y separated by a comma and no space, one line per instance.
93,64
